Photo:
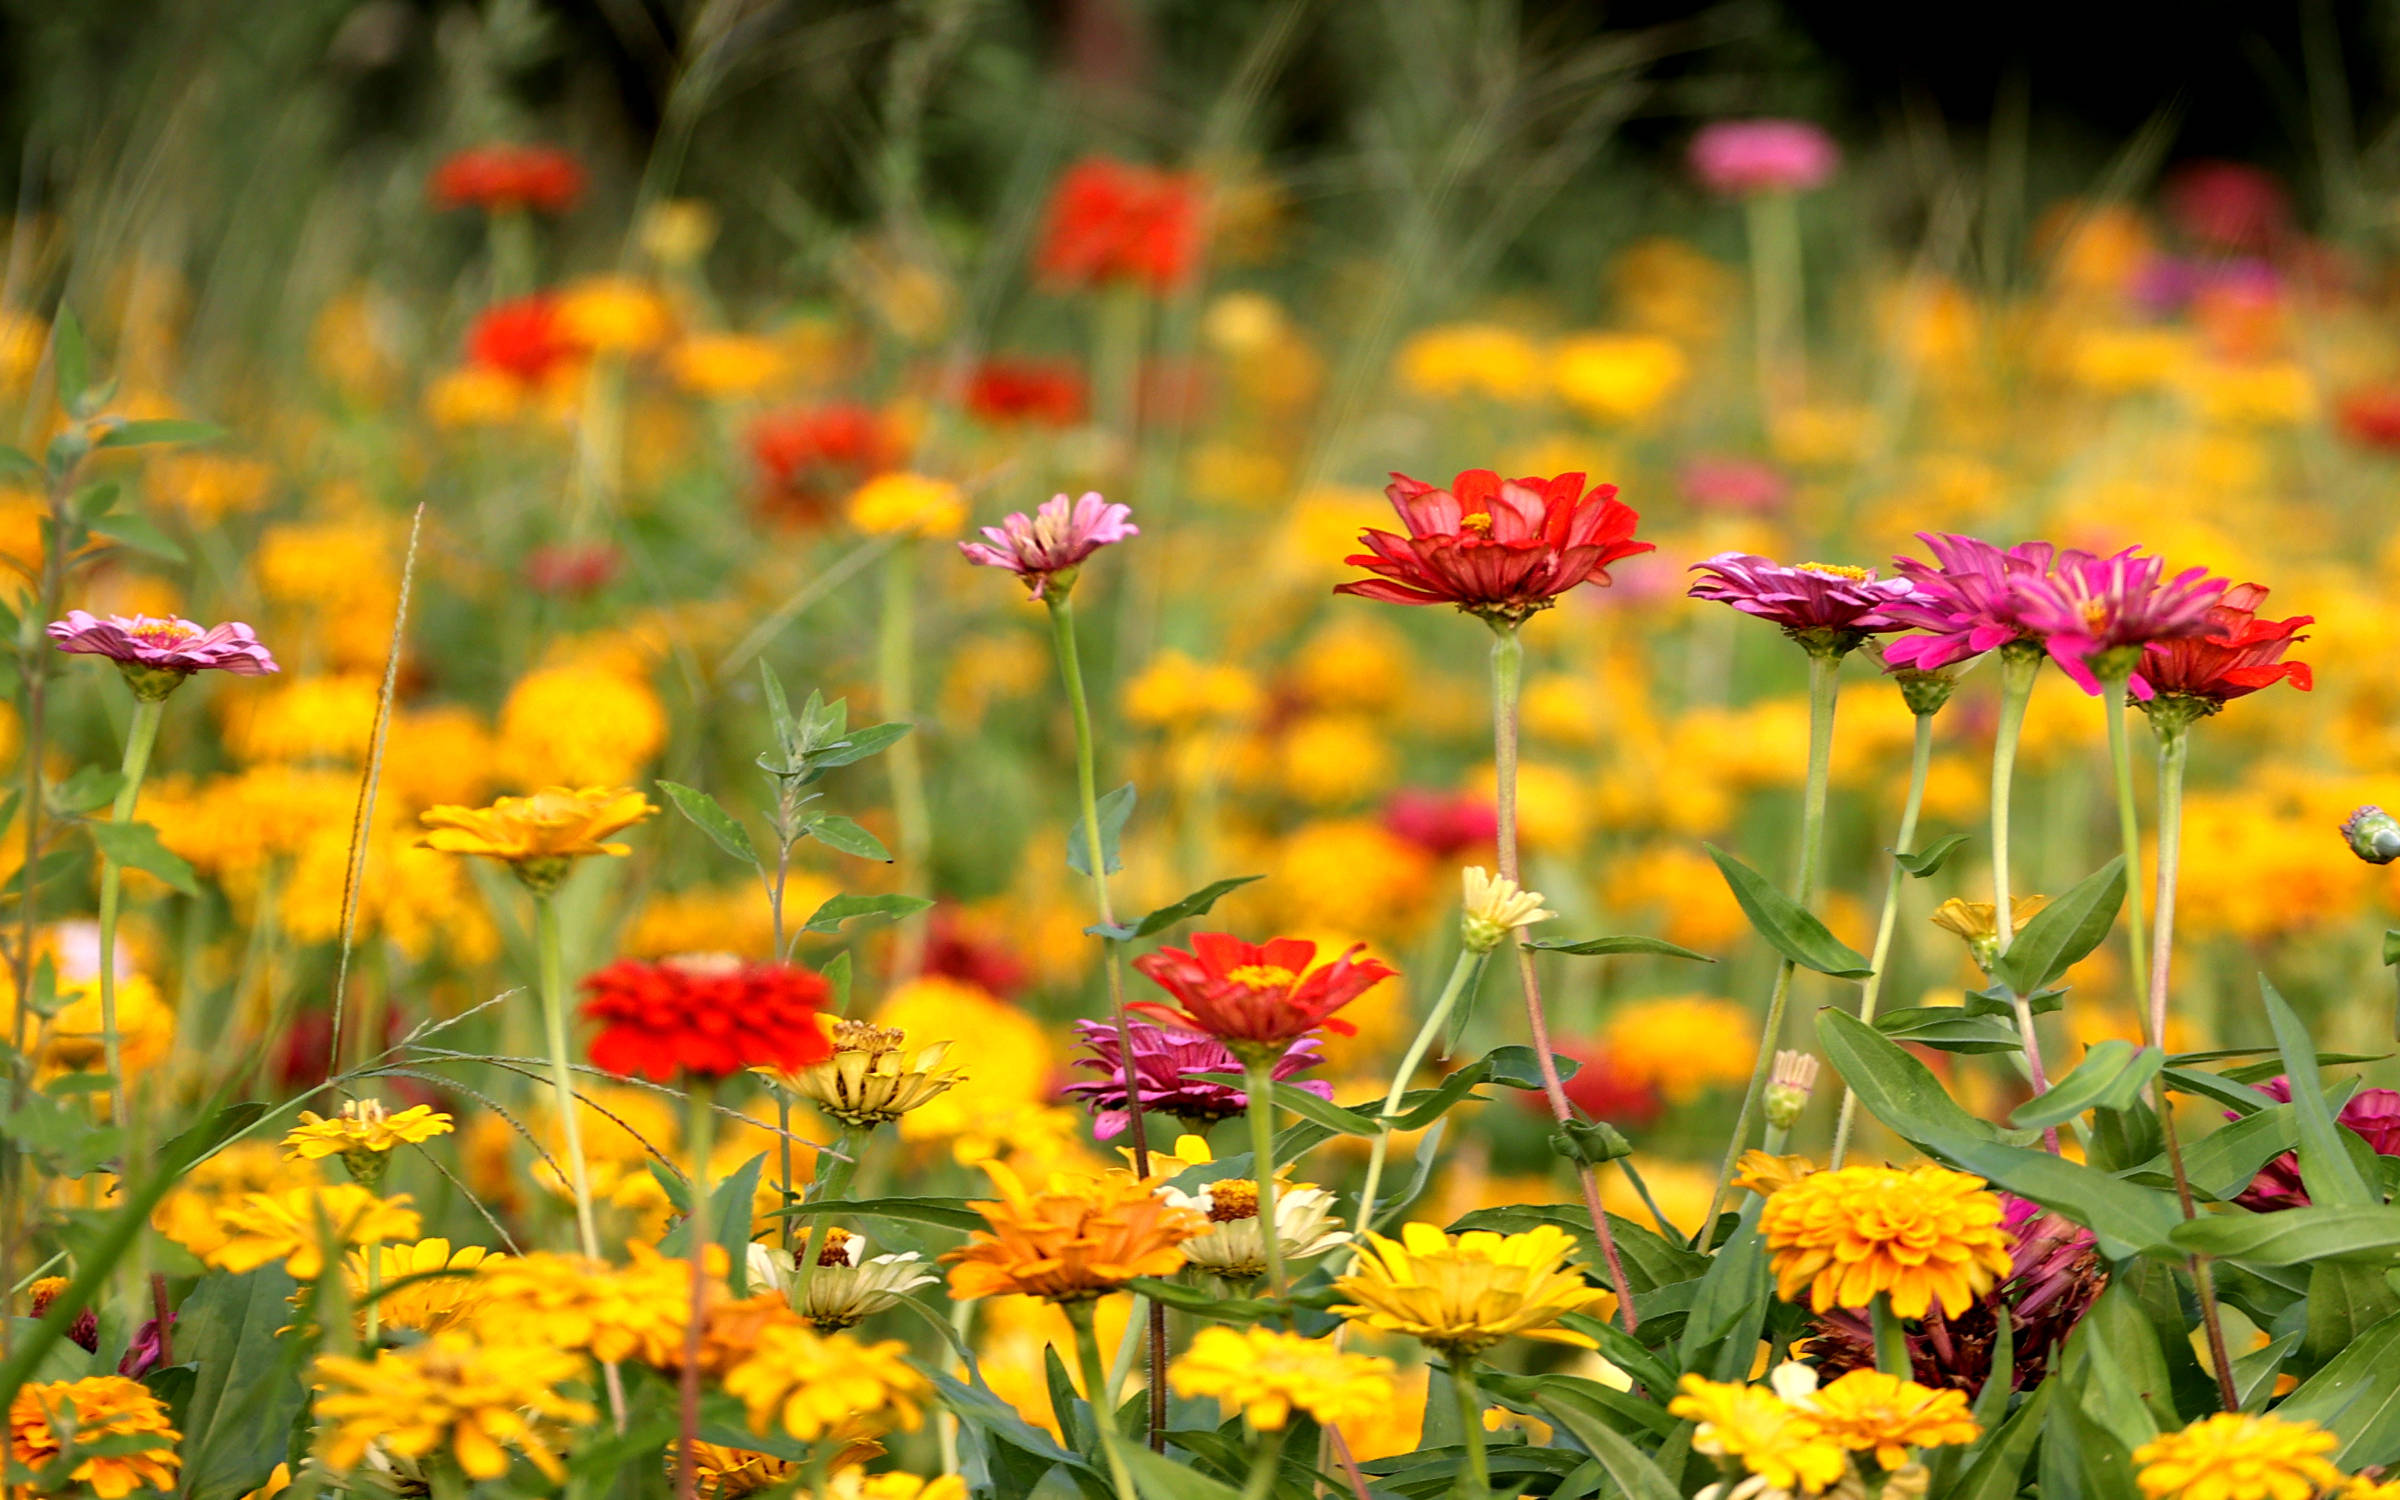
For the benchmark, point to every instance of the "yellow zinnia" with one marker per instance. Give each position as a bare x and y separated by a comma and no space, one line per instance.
908,504
427,1286
539,836
614,1313
1775,1440
1924,1235
362,1129
1462,1295
1869,1411
97,1410
2238,1457
452,1392
295,1226
1267,1376
870,1078
812,1383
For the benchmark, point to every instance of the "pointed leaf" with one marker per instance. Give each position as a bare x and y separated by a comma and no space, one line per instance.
162,430
2062,933
857,745
2333,1181
940,1213
1196,904
1603,946
1950,1028
241,1407
137,532
837,832
831,916
1930,859
2296,1236
2112,1075
136,847
712,819
1786,925
1114,807
1633,1470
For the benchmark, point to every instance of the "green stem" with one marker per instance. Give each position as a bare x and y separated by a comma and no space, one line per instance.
1266,1460
700,1131
140,736
1095,1390
832,1186
1773,224
1891,1339
1508,681
895,656
562,1071
1470,1421
1259,1080
2120,755
373,1256
2020,666
1824,682
1919,764
783,1141
1460,972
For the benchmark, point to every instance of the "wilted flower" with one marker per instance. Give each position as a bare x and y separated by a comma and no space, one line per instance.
2238,1456
1823,606
1925,1237
870,1077
1257,998
1966,599
1076,1239
1977,924
1740,157
2097,614
1113,221
1501,549
157,653
453,1393
2239,654
1169,1072
2372,834
1267,1375
122,1435
1495,907
502,177
1045,548
709,1016
1461,1295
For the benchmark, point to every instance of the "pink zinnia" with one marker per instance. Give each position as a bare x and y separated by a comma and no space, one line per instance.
2097,613
1050,544
1817,604
1739,157
1965,598
156,654
1169,1071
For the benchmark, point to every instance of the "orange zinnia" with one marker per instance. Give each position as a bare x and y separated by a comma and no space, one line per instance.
1073,1241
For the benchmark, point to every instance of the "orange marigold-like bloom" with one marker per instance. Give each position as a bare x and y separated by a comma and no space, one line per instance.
1869,1411
1923,1236
1248,995
541,835
1077,1239
706,1016
114,1413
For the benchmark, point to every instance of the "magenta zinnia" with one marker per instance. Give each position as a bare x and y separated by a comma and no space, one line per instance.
1965,599
1498,548
1045,548
2096,614
1169,1068
1820,605
156,653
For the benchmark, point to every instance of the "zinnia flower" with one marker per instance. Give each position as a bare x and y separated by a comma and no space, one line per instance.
807,458
810,1384
1462,1295
452,1393
1267,1375
847,1288
110,1412
1495,907
706,1016
1046,548
1043,393
292,1227
1168,1068
2372,1114
869,1077
1077,1239
1739,157
1113,221
1868,1411
1966,599
157,653
363,1135
1501,549
426,1286
500,177
1443,824
2238,1456
1925,1237
539,836
903,504
1774,1439
613,1313
1235,1247
2239,654
1253,998
523,338
1823,606
1977,923
723,1473
2098,613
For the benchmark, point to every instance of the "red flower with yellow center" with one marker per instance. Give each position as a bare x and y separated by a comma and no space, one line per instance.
705,1017
1499,548
1113,221
2240,654
1248,995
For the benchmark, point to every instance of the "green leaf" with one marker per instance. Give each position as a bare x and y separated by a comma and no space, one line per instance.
2082,1457
940,1213
2356,1397
1896,1088
136,847
2343,1302
1308,1106
1196,904
729,1203
162,430
1205,1300
2332,1179
1950,1028
136,531
1999,1466
2062,933
831,916
1930,859
779,715
70,356
1634,1472
1114,808
838,832
2220,1164
2254,1374
88,788
1787,927
1603,946
17,464
712,819
242,1404
61,1135
857,745
2296,1236
2112,1075
1728,1308
2238,1097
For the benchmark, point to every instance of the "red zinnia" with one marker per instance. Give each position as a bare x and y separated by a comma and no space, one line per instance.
1114,221
1045,393
523,337
705,1017
1500,548
500,177
1246,995
2240,654
809,457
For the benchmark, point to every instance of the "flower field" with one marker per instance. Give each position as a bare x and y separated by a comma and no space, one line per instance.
1091,808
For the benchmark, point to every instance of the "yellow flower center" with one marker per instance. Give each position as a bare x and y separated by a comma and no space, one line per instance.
162,632
1840,570
1480,520
2095,615
1231,1200
1262,977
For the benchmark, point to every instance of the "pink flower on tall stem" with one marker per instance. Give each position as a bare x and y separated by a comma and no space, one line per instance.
1045,548
1497,548
156,653
1738,157
2096,614
1823,606
1965,599
1169,1068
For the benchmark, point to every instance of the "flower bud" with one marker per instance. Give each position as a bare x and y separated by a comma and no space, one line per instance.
2373,835
1495,907
1794,1078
